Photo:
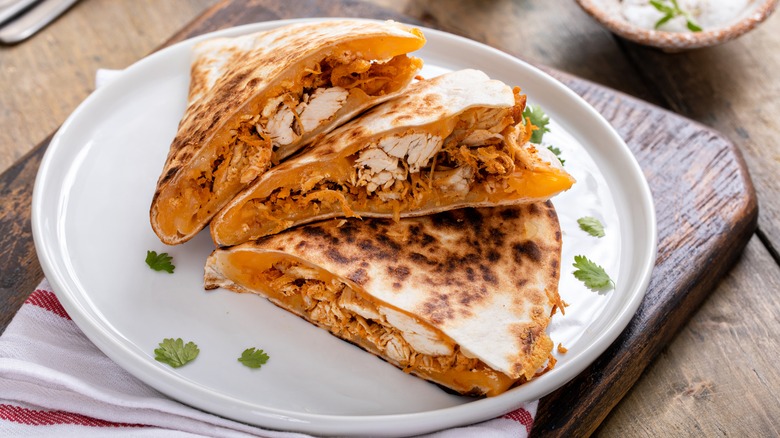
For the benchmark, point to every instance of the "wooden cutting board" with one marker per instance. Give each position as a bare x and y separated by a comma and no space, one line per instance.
705,204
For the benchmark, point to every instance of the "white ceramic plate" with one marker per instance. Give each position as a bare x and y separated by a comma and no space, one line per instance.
91,229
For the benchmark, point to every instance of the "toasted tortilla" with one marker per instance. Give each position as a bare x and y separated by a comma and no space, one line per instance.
256,99
453,141
461,298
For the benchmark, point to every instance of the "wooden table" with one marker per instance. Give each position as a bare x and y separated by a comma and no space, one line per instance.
716,377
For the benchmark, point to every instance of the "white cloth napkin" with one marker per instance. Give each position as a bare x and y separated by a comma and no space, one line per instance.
55,382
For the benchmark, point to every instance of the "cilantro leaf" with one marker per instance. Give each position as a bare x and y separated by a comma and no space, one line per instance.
253,358
592,274
175,353
693,27
160,262
557,153
661,6
663,20
591,225
538,118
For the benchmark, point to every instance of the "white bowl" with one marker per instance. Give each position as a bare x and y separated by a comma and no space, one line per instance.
608,13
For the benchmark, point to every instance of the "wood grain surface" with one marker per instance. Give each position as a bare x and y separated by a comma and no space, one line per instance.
719,376
706,210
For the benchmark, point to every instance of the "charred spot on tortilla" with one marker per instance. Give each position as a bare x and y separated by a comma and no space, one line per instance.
337,257
448,219
494,256
509,214
401,273
347,231
465,316
314,231
416,257
488,275
359,276
554,268
526,250
437,308
470,274
521,282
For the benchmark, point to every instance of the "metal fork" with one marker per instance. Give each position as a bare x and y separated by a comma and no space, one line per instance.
21,19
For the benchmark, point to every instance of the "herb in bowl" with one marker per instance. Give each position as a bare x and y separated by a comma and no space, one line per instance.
671,9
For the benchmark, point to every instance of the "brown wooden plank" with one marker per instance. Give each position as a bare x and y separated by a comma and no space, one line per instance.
20,271
700,224
683,395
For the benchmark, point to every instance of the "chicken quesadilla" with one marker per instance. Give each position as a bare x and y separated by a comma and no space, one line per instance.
461,298
453,141
257,99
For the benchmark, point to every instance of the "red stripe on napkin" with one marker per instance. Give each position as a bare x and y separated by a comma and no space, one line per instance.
34,417
47,300
521,416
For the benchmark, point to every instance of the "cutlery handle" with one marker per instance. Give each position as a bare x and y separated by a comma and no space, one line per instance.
34,20
10,9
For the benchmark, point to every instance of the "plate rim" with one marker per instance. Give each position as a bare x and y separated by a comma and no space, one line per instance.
174,385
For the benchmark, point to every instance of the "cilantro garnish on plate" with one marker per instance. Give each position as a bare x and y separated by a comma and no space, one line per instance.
160,262
175,352
592,274
253,358
592,226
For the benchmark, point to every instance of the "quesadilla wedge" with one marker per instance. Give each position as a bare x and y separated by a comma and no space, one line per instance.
256,99
461,298
453,141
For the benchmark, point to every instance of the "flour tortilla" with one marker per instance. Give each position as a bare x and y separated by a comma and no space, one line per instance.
485,280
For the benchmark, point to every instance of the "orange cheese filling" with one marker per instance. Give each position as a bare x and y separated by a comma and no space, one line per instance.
491,171
331,304
239,153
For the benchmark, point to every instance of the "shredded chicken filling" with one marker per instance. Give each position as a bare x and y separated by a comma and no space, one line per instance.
338,308
315,97
401,171
235,165
321,91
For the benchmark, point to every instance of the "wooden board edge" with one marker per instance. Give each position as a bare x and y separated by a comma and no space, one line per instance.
20,270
